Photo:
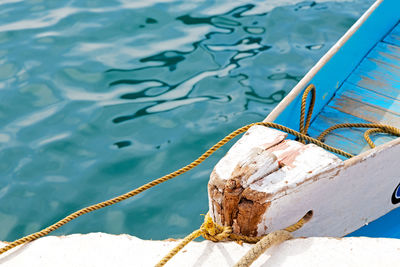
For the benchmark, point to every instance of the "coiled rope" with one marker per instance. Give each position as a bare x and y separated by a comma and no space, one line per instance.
302,136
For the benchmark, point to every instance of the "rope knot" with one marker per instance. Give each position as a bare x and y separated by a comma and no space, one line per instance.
214,232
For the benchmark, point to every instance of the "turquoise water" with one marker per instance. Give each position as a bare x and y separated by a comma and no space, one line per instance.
99,97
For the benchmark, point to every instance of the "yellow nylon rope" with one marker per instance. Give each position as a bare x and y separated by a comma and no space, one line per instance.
268,241
304,126
271,239
180,246
382,128
374,130
215,232
301,136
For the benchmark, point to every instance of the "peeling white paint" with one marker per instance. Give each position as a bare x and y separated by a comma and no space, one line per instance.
256,137
311,161
344,198
343,195
260,162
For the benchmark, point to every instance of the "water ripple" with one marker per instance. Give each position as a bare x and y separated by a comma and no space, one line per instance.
101,96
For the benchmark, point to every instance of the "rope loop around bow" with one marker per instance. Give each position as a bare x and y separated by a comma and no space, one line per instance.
214,232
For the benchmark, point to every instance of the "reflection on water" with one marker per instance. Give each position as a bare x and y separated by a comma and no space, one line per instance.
234,38
160,96
99,97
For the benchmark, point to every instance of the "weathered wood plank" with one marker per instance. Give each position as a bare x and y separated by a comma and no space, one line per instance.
379,71
382,67
369,97
343,142
376,83
386,53
339,62
370,94
394,36
351,140
365,111
348,139
378,77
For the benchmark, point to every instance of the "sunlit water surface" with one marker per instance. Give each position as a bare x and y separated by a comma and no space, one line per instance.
99,97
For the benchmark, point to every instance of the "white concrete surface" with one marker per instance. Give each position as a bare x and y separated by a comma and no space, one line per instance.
99,249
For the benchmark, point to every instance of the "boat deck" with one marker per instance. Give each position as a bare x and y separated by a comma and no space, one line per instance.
369,94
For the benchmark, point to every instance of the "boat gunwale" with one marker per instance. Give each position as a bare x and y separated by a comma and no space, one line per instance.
371,152
294,93
298,88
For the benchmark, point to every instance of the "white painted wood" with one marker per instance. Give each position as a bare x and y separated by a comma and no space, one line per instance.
104,250
309,162
260,168
248,156
344,196
257,137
